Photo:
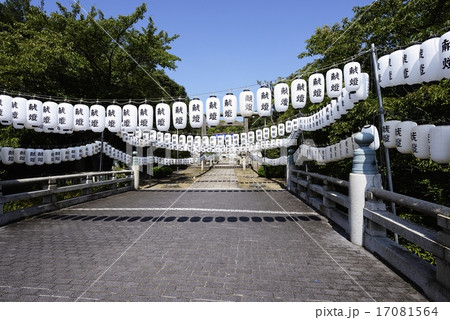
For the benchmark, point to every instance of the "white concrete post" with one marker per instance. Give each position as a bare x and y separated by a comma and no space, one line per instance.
364,175
135,168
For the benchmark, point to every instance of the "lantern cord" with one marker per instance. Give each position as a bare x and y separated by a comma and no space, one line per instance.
123,49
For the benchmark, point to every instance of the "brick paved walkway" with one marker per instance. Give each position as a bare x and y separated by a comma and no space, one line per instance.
191,245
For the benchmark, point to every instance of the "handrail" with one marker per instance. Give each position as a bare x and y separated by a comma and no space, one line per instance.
69,176
422,206
336,181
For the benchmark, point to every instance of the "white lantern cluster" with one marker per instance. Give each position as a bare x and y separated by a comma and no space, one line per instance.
116,154
31,156
336,108
426,62
336,152
424,141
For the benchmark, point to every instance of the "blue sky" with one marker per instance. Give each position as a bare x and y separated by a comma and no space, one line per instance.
234,43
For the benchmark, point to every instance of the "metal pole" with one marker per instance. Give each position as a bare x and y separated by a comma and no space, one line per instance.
386,150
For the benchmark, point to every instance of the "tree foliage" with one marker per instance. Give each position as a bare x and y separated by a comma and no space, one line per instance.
77,54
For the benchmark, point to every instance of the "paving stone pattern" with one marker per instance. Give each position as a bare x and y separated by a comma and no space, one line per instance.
191,245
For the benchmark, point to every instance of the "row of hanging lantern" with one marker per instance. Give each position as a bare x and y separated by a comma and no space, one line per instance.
337,107
283,160
150,160
31,156
424,141
64,117
262,137
336,152
425,62
116,154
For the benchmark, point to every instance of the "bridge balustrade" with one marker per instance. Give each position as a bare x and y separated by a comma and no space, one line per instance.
23,198
330,196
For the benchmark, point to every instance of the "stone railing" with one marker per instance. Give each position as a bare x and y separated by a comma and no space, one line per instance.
359,207
27,197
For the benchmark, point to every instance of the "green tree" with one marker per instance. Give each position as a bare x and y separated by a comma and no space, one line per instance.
74,54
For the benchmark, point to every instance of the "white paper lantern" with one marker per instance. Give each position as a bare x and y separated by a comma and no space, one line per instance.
212,111
444,54
345,150
65,155
220,140
281,97
229,108
114,118
196,113
19,155
334,82
34,113
411,64
30,157
78,153
316,85
259,135
190,140
273,132
80,117
383,71
182,139
352,76
373,131
235,139
246,103
50,116
145,117
167,138
281,129
83,151
298,93
244,138
420,141
197,141
364,89
49,157
40,157
440,144
162,116
350,145
129,118
90,148
396,68
403,136
72,155
266,133
6,109
288,126
97,118
264,101
7,155
212,141
205,141
430,67
57,156
345,102
251,137
179,115
65,117
295,124
336,110
388,134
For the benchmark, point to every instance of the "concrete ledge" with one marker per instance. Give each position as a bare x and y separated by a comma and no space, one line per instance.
414,268
17,215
